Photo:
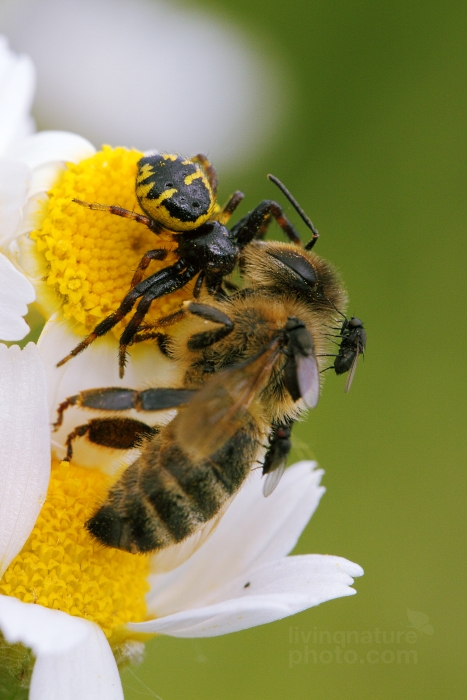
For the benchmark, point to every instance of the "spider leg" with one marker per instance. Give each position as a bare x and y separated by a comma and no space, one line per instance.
156,254
255,224
163,282
229,208
208,168
118,211
175,278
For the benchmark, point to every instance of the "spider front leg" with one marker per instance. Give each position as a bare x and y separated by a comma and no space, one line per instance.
229,208
175,277
118,211
256,223
156,254
163,282
125,307
208,168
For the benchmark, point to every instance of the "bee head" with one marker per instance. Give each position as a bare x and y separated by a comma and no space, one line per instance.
174,192
288,269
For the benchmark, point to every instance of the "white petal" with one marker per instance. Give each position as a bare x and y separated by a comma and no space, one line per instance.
15,293
15,178
43,178
87,671
34,212
24,446
254,530
73,658
23,251
50,146
17,83
97,367
275,590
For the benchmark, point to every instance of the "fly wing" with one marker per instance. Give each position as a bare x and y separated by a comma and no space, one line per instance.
217,410
353,367
308,378
273,477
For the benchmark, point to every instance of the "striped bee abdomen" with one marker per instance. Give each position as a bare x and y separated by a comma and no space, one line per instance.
163,497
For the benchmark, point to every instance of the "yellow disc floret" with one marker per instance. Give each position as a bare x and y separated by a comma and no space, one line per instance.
91,256
62,567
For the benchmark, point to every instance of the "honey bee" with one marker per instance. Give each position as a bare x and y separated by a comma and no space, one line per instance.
251,366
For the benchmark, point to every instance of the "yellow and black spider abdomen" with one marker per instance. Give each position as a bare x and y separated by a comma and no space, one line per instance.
174,192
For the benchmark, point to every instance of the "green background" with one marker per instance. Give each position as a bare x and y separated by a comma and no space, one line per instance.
374,148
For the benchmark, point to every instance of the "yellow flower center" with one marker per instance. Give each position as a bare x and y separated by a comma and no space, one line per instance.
91,255
62,567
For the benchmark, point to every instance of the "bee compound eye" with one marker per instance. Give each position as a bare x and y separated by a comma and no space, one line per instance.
298,264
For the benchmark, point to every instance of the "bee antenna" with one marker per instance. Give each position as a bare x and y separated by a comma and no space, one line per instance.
298,209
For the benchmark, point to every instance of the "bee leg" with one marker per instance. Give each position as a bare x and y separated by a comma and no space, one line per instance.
79,431
255,224
229,208
209,313
117,433
107,399
118,399
118,211
162,399
208,168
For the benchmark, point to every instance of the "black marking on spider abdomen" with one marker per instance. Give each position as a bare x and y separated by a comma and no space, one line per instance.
189,201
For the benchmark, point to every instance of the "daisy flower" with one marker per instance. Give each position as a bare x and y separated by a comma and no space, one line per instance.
16,93
83,609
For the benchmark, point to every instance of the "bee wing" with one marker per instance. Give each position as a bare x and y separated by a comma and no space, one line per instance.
273,477
308,378
169,558
353,367
217,410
